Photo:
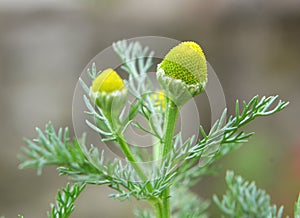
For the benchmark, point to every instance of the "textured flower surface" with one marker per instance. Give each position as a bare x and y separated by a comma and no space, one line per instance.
186,62
107,81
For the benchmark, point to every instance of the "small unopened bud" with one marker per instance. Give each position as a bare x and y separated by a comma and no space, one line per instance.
107,81
108,92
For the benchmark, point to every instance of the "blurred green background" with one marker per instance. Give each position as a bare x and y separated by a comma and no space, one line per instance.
44,45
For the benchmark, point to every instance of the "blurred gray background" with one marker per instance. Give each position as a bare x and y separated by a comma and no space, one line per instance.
44,46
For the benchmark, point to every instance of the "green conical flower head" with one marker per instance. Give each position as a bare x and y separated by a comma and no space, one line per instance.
107,81
186,62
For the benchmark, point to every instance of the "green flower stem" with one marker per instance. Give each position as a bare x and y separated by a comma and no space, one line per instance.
156,150
161,205
170,123
156,203
127,152
158,207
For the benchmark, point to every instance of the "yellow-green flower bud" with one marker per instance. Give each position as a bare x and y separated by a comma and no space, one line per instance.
108,92
183,68
107,81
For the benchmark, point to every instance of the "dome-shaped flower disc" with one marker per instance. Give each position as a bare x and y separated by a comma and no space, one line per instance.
186,62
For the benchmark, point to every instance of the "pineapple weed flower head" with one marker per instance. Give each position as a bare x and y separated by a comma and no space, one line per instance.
183,72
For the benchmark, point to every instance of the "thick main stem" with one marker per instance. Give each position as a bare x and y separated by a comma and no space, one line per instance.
157,207
170,123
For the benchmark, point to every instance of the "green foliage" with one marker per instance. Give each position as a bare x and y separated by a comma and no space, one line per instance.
244,200
136,62
143,213
185,203
228,133
223,138
85,165
64,205
182,166
51,148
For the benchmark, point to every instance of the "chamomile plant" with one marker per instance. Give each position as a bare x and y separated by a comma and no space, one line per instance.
174,164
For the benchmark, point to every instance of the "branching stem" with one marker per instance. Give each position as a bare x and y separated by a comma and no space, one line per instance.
126,150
